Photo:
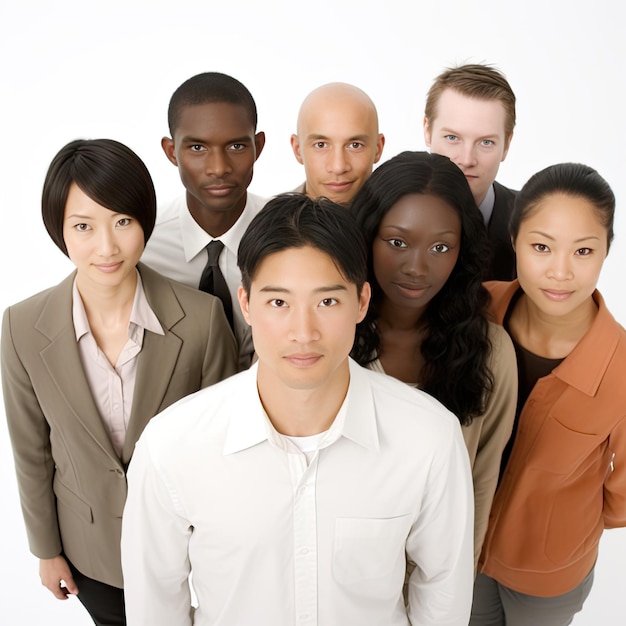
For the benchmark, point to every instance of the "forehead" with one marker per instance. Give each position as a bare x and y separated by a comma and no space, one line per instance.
213,120
564,216
79,203
419,213
475,116
298,270
338,118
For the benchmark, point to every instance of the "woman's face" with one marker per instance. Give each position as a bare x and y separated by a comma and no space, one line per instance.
416,249
104,245
560,247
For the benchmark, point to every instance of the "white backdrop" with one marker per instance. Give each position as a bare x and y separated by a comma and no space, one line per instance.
107,69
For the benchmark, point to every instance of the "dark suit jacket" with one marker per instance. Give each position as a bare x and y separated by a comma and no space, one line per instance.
71,482
502,263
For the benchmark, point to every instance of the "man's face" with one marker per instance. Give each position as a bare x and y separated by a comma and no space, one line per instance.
338,145
303,314
215,147
471,133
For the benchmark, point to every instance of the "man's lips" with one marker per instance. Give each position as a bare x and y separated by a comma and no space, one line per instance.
303,360
219,190
339,185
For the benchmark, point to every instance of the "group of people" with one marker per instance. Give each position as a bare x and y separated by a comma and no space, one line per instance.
390,396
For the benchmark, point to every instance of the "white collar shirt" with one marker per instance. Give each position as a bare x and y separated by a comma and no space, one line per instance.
486,206
176,249
271,539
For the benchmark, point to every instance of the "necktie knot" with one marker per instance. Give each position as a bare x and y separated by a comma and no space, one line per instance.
214,249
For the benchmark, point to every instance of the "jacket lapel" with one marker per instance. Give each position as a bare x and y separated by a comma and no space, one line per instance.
157,359
62,360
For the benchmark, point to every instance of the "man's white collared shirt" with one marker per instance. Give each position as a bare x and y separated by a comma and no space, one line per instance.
176,249
275,540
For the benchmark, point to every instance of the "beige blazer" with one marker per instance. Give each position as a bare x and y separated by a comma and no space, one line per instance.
72,484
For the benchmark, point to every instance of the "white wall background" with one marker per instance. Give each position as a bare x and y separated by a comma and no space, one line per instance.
73,69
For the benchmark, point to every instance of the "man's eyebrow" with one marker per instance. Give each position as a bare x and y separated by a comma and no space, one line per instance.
322,289
319,137
243,139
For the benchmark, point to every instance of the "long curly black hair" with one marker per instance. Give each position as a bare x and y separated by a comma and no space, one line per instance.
456,344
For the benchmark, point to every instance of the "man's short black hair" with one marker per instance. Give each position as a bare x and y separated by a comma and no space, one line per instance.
206,88
293,220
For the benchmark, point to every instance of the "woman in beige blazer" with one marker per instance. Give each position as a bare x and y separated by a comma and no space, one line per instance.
87,363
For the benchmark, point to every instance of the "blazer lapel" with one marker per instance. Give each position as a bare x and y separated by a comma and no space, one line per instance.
64,366
158,356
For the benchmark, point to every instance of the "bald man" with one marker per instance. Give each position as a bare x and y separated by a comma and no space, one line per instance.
337,141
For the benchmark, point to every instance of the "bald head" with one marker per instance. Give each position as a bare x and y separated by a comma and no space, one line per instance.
337,141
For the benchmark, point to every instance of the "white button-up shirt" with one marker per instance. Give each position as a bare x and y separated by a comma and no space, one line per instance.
176,249
274,540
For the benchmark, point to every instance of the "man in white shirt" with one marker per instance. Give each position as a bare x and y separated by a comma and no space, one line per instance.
296,491
212,120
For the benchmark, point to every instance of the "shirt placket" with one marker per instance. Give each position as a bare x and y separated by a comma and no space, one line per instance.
305,538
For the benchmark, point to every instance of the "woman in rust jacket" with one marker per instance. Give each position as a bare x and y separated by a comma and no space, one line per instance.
563,475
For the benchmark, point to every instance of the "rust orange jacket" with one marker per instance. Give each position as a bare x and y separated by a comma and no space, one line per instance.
565,481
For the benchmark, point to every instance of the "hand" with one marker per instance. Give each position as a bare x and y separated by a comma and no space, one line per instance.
55,574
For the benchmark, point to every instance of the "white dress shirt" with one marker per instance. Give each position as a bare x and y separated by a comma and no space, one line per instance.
273,540
486,206
176,249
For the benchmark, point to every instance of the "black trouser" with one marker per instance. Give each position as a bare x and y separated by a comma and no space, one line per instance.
104,603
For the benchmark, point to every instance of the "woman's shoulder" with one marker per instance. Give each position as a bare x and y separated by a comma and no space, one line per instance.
502,355
34,304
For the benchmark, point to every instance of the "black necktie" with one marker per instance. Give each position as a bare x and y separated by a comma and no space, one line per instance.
212,280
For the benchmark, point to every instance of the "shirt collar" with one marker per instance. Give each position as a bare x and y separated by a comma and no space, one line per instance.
142,317
486,206
249,425
195,238
595,350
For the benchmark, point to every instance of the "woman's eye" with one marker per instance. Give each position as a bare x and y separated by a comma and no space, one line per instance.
541,247
440,247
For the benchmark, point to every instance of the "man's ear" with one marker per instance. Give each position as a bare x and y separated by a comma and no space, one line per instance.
259,144
427,133
380,144
364,301
506,147
168,147
295,146
242,296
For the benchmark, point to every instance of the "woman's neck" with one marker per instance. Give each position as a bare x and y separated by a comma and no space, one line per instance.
550,336
108,312
401,331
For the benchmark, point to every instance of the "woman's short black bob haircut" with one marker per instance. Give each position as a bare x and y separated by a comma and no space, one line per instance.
109,172
292,220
